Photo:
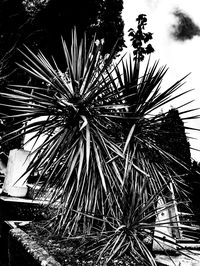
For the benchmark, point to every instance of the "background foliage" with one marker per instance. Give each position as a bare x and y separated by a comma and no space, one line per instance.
40,25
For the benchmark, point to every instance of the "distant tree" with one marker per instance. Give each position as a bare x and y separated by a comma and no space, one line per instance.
173,138
110,25
193,181
13,31
54,18
40,23
33,7
12,19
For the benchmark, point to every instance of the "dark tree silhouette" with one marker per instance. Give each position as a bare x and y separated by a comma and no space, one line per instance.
40,23
173,138
13,29
194,185
13,19
58,17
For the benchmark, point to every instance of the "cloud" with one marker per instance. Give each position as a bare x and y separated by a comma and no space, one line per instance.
185,28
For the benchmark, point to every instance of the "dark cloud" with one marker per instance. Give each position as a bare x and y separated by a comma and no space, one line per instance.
185,29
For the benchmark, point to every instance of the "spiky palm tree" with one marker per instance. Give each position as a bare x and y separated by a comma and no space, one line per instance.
99,152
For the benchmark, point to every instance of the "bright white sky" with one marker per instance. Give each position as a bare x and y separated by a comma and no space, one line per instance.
181,57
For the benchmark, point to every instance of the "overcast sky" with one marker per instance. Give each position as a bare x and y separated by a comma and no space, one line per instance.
175,25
